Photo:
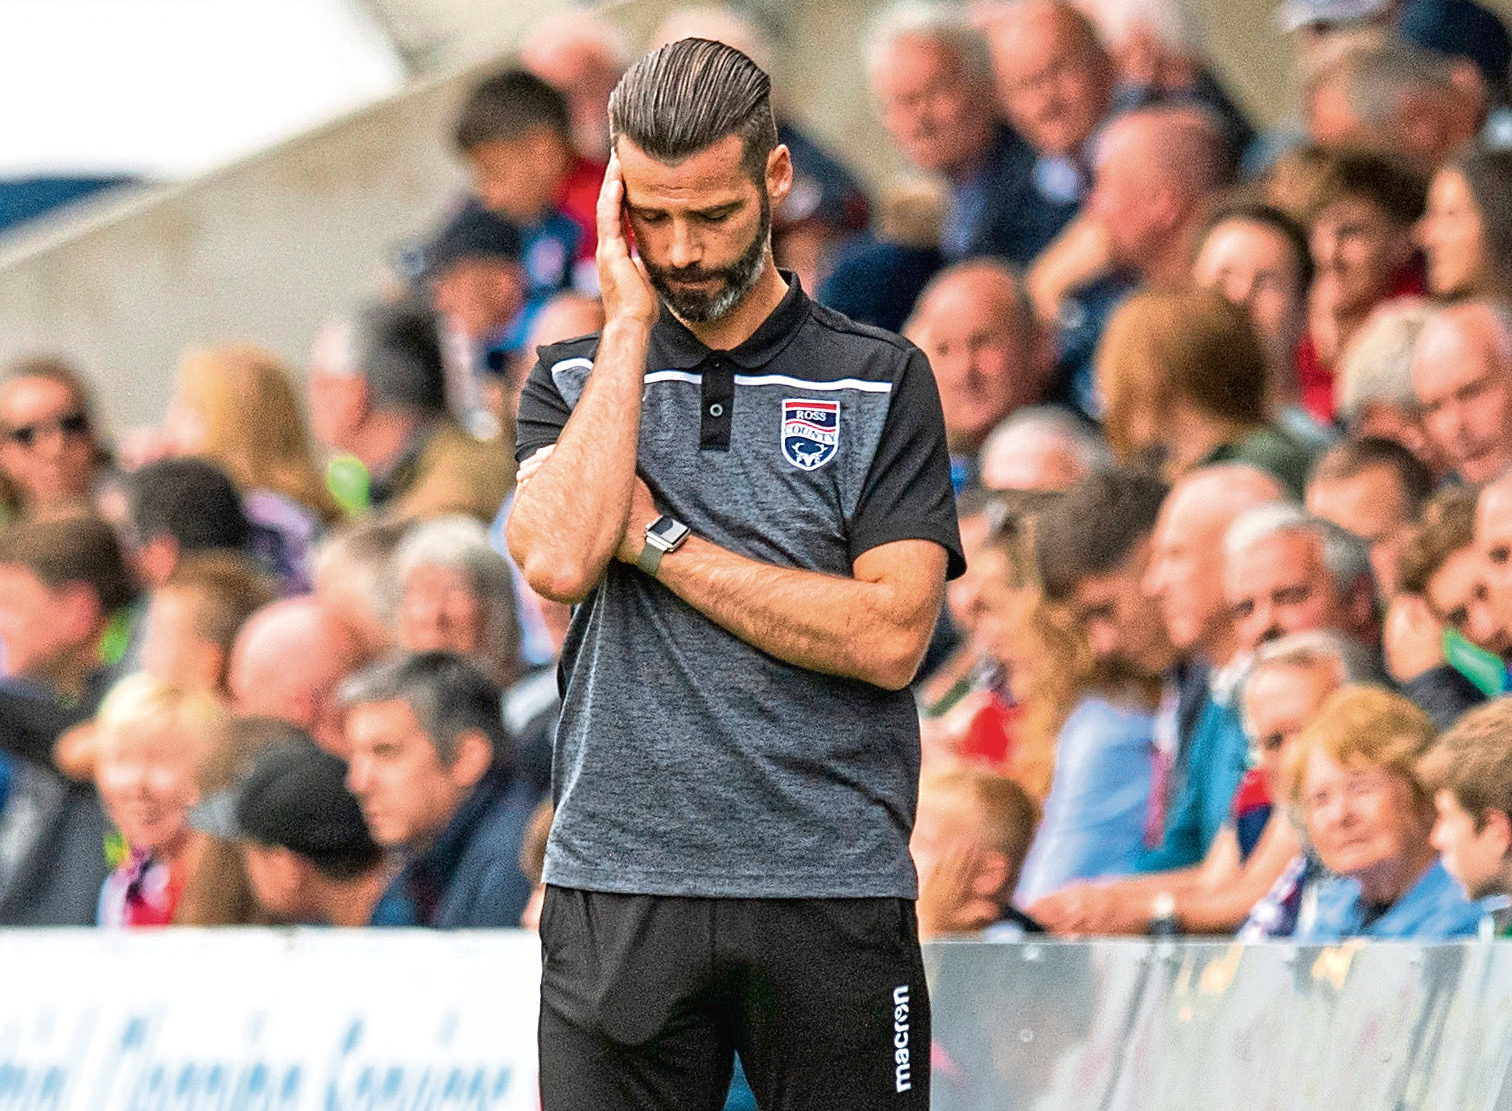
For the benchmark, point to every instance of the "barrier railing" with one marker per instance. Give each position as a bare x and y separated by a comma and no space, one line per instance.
411,1021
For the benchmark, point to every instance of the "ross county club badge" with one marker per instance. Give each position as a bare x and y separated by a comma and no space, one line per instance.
810,432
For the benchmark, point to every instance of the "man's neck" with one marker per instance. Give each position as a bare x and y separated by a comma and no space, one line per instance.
731,331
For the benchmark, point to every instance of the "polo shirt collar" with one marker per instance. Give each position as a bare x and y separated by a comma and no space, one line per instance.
674,347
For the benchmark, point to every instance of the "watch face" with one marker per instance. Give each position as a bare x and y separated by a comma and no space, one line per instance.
667,531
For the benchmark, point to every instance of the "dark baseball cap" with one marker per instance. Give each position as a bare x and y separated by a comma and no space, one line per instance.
295,797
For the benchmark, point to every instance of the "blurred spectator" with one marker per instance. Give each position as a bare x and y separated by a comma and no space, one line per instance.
194,616
969,842
1288,572
1054,83
1359,229
179,506
455,594
988,353
1092,547
1369,816
1200,746
1466,232
931,74
1040,447
1373,488
155,741
309,856
352,580
1443,587
1467,34
1291,679
1183,378
826,206
1156,170
1157,51
64,593
473,281
581,55
877,277
515,133
1493,536
288,662
1469,771
51,455
1397,101
237,407
377,390
426,744
1257,257
1374,392
1462,371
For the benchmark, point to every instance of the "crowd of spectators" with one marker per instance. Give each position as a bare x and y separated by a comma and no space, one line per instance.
1230,417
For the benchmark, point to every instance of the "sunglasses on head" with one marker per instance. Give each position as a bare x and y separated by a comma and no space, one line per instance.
69,424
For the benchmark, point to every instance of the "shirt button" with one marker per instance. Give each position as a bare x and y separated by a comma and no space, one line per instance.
716,410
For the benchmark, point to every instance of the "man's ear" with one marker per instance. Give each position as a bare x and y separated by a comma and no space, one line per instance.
779,175
1498,824
79,612
474,757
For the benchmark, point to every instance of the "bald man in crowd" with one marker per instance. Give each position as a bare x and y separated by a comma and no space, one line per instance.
287,663
1157,169
1203,749
1462,372
1041,447
989,355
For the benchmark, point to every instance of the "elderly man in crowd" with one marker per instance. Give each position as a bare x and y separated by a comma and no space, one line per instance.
1373,488
429,767
931,74
1462,370
989,355
1054,83
1040,447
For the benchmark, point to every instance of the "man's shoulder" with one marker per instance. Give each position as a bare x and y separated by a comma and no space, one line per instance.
858,336
552,355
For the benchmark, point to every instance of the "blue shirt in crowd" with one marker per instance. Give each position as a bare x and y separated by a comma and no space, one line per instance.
1433,909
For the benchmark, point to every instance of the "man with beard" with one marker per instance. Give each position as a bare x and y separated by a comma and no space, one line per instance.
747,497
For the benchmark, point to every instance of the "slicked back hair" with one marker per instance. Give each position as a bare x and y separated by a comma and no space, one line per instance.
690,94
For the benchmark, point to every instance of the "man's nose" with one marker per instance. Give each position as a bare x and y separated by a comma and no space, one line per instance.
684,250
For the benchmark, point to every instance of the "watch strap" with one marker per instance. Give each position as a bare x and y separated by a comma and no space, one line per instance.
649,559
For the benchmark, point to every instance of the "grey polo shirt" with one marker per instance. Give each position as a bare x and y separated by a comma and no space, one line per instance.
687,761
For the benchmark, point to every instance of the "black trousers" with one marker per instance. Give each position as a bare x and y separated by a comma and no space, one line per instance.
645,999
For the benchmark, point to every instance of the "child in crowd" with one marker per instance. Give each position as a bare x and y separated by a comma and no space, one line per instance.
969,842
154,742
1469,770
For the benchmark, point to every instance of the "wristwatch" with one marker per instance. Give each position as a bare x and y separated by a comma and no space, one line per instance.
663,535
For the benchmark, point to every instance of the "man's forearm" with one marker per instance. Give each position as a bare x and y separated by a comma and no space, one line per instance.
568,520
874,630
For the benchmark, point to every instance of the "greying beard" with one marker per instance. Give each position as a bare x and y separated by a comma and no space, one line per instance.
739,279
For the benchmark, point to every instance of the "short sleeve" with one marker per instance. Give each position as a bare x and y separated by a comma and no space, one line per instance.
908,495
543,411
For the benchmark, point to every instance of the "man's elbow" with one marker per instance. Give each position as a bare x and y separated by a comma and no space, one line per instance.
559,579
895,663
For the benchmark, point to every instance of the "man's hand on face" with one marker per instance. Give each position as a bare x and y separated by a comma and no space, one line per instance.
1413,639
623,283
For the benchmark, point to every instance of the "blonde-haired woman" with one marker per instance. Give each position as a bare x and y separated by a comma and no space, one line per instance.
235,405
155,743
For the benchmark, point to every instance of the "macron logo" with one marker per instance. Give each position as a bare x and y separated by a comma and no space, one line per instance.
902,1070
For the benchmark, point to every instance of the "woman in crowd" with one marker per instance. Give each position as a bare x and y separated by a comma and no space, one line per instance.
1466,233
236,406
455,594
1368,817
50,451
1185,379
156,743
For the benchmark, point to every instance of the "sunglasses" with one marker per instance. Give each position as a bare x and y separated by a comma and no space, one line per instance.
69,424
